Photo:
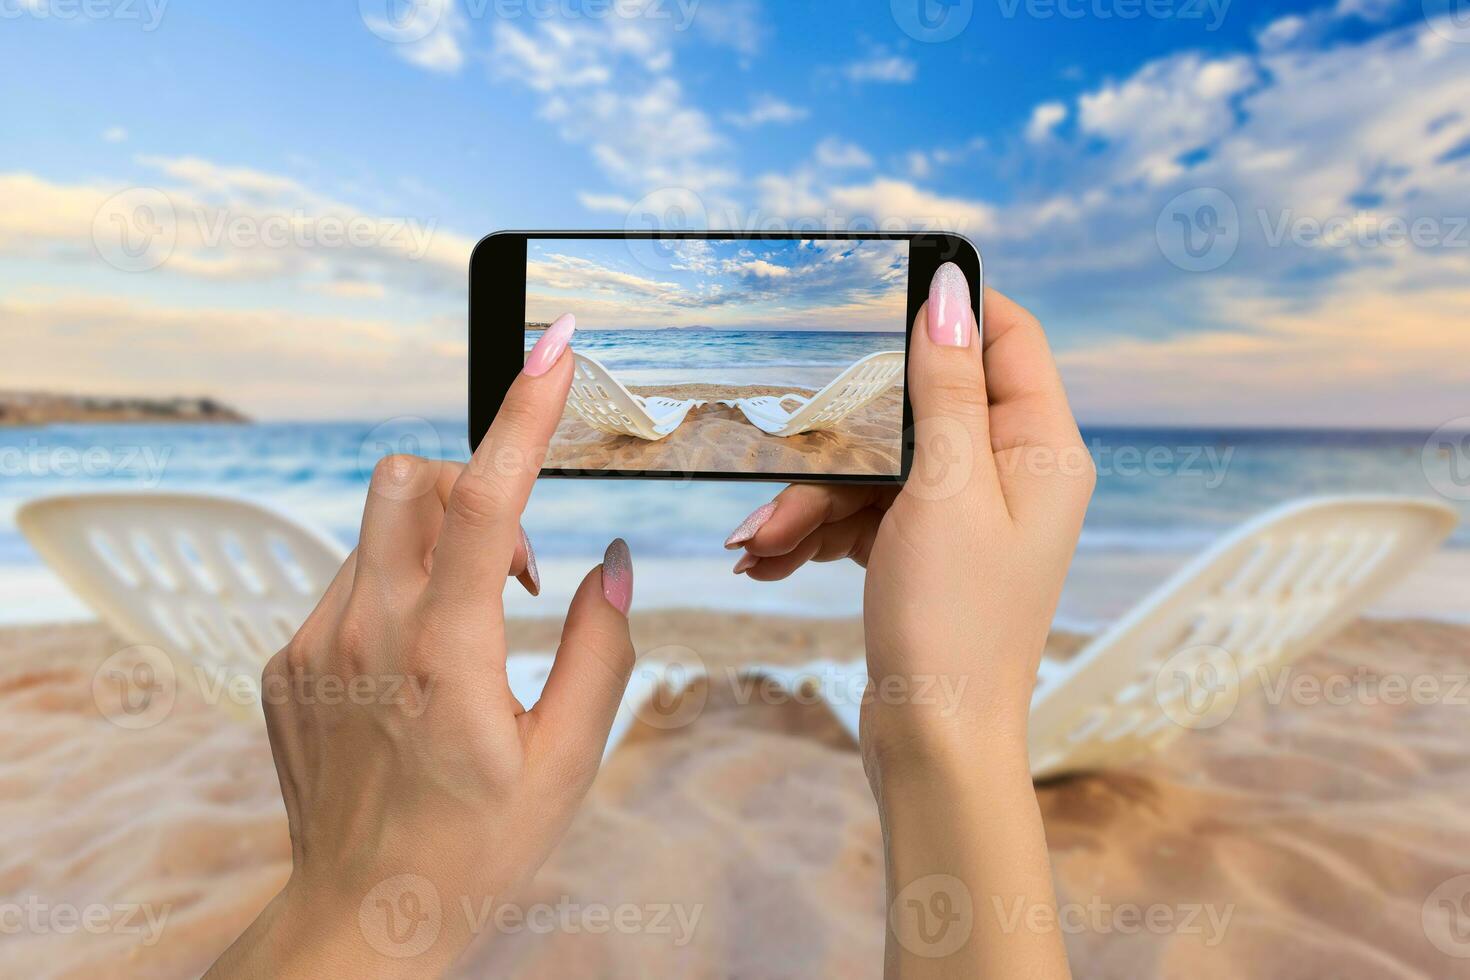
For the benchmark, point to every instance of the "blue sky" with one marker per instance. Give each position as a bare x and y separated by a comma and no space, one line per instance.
755,284
306,181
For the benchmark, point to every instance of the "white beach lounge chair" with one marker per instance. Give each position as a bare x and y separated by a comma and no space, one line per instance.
222,583
855,387
1261,597
603,403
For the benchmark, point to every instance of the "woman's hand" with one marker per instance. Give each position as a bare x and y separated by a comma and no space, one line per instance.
416,786
965,566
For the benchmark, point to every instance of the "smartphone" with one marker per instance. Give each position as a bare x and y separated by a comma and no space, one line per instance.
715,355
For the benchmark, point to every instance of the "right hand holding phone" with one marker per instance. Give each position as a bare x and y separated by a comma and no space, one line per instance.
965,563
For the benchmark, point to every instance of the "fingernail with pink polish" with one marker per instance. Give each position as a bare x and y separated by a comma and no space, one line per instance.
548,349
746,563
751,525
617,575
950,315
531,577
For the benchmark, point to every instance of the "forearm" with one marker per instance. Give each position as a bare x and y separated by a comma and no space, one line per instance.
969,881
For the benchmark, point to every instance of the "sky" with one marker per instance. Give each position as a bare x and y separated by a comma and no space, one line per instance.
754,284
1223,213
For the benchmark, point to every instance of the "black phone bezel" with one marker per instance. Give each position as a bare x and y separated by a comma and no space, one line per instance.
497,327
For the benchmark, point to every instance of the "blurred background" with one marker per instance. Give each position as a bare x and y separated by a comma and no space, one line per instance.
233,252
1243,224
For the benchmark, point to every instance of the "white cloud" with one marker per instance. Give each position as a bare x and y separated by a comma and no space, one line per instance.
609,86
269,362
1369,10
882,67
767,109
1166,109
1044,118
736,24
237,224
114,134
1282,31
839,155
887,201
430,35
613,203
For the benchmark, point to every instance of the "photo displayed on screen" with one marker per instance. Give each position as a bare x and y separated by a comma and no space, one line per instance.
732,356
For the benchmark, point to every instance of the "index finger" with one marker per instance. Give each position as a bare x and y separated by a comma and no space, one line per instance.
482,515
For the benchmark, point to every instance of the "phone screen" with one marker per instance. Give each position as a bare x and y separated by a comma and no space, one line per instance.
740,356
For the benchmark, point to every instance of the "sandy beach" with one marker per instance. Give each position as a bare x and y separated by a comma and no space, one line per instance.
1299,839
716,438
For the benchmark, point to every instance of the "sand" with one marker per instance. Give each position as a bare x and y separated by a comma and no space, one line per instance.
1298,840
714,438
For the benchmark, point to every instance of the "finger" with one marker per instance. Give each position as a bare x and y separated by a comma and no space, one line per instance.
1040,457
1028,404
852,537
482,516
322,619
946,382
400,523
522,563
592,666
776,527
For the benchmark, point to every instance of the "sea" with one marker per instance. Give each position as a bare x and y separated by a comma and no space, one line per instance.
800,358
1161,491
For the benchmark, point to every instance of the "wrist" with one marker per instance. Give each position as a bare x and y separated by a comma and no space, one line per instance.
925,751
403,932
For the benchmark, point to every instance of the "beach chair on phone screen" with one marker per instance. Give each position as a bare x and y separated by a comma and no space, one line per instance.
791,414
602,402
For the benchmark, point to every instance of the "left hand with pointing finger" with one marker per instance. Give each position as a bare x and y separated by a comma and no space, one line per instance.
403,813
